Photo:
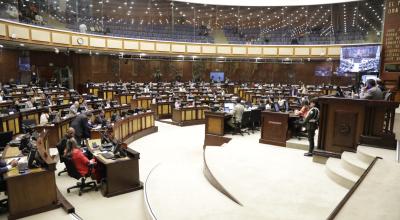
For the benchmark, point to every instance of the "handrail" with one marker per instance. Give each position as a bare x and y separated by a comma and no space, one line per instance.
341,204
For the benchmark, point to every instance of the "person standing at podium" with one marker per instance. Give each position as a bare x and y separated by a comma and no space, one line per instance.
311,123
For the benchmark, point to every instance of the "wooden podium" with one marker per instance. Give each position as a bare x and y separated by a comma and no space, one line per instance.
346,123
274,128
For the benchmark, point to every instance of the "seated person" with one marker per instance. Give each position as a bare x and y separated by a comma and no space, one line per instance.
281,103
62,145
304,109
29,103
177,104
4,168
48,101
2,96
237,114
261,106
74,108
84,106
44,117
115,117
101,119
371,91
339,92
80,160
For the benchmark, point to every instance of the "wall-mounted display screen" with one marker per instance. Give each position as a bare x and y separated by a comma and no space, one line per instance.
325,70
24,64
217,76
360,59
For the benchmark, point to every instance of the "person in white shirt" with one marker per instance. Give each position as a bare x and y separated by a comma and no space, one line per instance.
74,108
82,28
177,104
44,118
1,96
237,114
29,103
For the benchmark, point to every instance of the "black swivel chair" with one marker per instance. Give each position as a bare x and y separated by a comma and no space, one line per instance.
60,149
5,137
83,186
255,120
242,127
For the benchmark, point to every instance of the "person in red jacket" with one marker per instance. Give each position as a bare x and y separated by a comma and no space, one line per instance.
80,160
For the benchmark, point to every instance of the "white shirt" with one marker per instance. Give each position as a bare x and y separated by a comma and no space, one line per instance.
44,119
82,28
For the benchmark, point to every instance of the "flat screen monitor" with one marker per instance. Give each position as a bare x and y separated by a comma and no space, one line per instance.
24,63
228,107
217,76
360,59
325,70
287,106
364,78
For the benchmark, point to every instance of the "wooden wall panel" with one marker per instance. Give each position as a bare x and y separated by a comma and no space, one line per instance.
110,68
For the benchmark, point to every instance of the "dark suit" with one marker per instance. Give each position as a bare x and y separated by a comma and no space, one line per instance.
82,128
100,120
3,169
373,93
311,123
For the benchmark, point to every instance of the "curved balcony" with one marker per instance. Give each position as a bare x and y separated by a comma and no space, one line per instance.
14,32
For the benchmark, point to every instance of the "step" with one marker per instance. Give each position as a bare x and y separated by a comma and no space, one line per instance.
340,175
364,155
352,163
369,153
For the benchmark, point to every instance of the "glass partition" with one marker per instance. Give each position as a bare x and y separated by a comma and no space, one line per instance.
353,22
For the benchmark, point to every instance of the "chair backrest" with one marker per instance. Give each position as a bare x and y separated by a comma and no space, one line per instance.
388,96
71,169
255,116
61,148
5,137
246,117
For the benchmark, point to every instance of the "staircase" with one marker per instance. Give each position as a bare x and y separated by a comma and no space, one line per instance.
347,170
219,37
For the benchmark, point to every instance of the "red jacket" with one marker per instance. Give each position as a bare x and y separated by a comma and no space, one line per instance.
81,162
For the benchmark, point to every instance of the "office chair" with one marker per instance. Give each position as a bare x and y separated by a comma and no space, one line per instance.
28,125
5,137
3,202
60,148
242,126
83,186
388,96
255,120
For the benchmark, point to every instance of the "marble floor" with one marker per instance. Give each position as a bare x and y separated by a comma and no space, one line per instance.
178,180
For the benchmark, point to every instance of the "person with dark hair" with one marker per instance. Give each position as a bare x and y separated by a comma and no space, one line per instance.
311,123
82,127
237,113
304,109
381,85
80,160
371,91
261,106
101,119
339,92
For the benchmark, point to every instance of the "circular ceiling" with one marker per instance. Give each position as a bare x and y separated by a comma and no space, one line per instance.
266,2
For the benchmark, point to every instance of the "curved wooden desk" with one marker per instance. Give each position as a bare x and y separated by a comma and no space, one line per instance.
189,115
122,174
